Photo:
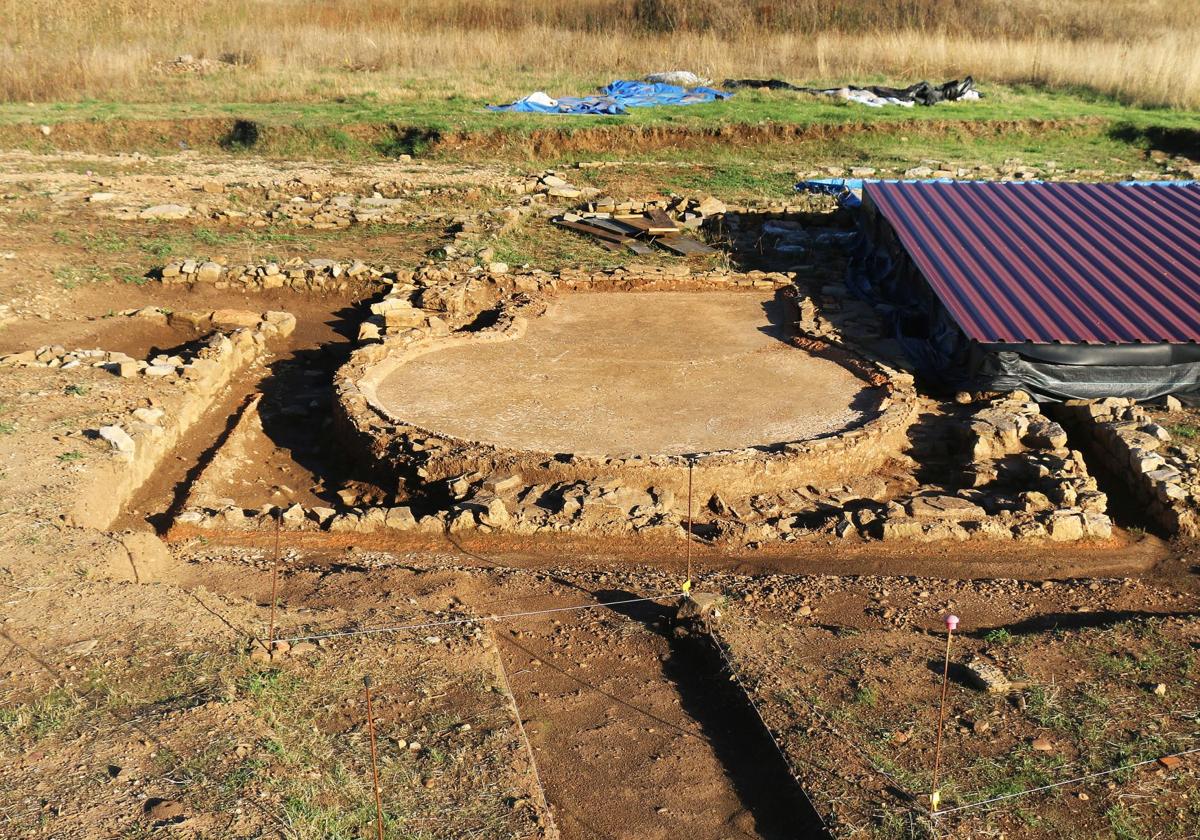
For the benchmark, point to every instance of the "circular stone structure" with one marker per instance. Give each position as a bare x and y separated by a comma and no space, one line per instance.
614,373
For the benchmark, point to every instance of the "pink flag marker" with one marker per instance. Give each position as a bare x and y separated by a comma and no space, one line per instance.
951,623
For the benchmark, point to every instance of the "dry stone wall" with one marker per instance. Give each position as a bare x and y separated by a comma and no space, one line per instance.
1020,481
493,487
1161,473
148,435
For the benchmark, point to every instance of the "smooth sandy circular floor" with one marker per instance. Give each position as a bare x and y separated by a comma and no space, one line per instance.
636,372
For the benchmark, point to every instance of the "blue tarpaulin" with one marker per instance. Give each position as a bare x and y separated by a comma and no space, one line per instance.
616,98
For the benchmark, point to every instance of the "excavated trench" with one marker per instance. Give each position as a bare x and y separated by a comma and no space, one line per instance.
1124,508
298,459
640,731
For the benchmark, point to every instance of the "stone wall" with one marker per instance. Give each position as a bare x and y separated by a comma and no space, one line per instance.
416,316
1018,481
141,442
301,275
1161,474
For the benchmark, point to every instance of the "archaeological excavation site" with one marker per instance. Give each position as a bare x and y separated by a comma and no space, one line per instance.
466,500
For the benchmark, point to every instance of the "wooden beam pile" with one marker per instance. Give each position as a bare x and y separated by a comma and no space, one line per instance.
636,232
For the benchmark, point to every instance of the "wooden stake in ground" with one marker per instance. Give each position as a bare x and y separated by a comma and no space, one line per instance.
935,795
374,761
274,581
687,585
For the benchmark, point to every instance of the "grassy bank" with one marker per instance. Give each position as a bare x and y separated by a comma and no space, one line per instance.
372,126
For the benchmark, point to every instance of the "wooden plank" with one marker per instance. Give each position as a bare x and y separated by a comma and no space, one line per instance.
623,231
640,223
684,246
599,233
615,227
662,222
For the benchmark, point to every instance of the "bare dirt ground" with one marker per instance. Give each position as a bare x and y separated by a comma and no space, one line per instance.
139,709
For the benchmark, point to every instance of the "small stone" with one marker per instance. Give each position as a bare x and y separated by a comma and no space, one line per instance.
284,322
235,319
166,212
1172,404
988,676
117,438
81,648
699,605
294,514
163,810
208,272
1042,745
149,415
400,519
1161,690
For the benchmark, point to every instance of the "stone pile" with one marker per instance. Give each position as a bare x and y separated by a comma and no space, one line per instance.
264,326
437,298
298,274
553,185
1024,483
1162,474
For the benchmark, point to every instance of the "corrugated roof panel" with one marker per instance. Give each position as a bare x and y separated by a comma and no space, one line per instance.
1055,262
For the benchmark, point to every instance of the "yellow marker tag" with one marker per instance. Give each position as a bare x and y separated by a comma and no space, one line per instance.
934,799
687,586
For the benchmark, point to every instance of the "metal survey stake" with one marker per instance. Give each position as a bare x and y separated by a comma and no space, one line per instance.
935,796
374,761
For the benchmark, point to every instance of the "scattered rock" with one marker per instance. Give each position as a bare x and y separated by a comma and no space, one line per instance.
988,676
118,439
166,212
163,810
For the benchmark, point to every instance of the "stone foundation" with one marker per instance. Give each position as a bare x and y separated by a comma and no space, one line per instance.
1161,474
140,443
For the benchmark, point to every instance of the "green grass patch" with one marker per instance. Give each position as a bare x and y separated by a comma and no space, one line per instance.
1183,431
370,127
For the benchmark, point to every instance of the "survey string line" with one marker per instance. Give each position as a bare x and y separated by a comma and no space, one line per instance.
516,713
452,622
1109,772
719,644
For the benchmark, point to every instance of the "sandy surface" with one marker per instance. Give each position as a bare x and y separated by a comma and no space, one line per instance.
613,373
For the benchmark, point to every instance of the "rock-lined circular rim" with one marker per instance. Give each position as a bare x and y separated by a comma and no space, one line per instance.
613,374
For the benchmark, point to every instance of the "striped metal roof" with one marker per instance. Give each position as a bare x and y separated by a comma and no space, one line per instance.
1055,262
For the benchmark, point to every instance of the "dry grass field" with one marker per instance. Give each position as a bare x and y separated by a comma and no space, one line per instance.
1142,53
